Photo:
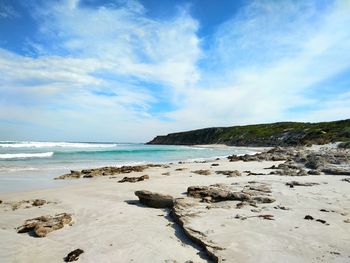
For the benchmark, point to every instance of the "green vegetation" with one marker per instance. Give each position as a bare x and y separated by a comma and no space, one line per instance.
274,134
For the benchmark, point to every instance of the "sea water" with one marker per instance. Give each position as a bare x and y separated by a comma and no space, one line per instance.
27,165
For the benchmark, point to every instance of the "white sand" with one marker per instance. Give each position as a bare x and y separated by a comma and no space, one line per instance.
109,229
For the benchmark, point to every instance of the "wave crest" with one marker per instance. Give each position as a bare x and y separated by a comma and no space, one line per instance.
22,144
25,155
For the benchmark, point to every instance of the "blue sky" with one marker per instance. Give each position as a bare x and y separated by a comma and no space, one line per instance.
117,70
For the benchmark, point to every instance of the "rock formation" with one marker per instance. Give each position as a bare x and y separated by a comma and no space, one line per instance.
43,225
155,200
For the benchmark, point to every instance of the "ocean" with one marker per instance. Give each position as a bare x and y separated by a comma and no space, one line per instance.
28,165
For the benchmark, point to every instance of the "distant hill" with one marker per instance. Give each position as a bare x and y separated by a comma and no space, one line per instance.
274,134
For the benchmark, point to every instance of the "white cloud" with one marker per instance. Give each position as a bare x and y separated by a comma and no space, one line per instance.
84,81
265,62
89,78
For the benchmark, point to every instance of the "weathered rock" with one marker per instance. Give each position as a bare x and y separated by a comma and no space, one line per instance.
290,172
314,172
106,171
215,164
155,200
314,161
249,173
202,172
43,225
281,207
321,221
229,173
275,154
263,199
73,255
295,183
133,179
39,202
308,217
336,171
0,201
215,194
257,187
180,213
180,169
346,180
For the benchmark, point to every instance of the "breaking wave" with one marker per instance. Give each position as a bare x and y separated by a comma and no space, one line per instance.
25,155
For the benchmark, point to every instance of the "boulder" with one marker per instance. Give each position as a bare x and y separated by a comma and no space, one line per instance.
39,202
43,225
73,255
155,200
133,179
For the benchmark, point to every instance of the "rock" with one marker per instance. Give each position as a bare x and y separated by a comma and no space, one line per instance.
73,255
155,200
321,221
314,172
336,171
133,179
0,201
167,173
43,225
263,199
215,164
308,217
257,187
347,220
180,169
281,207
106,171
275,154
314,161
229,173
295,183
252,173
346,180
39,202
266,217
324,210
290,172
202,172
181,213
215,194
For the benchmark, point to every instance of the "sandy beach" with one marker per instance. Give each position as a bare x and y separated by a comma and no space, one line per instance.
111,225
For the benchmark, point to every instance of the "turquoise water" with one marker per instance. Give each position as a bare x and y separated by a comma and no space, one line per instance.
24,164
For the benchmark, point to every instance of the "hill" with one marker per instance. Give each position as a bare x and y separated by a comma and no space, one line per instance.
273,134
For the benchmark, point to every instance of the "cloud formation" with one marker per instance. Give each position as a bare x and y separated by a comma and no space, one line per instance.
111,72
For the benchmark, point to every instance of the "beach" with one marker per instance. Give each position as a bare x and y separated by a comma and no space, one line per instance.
110,224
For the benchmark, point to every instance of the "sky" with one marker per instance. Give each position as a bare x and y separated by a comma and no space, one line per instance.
126,71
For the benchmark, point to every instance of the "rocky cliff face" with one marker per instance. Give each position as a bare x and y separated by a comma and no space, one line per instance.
275,134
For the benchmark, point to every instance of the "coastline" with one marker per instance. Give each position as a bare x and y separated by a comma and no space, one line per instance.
109,223
18,175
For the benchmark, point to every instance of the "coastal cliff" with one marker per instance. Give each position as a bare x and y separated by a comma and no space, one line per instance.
274,134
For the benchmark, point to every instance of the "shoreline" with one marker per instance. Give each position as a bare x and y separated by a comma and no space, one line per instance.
40,177
109,222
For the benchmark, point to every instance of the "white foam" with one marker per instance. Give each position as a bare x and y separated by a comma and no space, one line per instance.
25,155
29,144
